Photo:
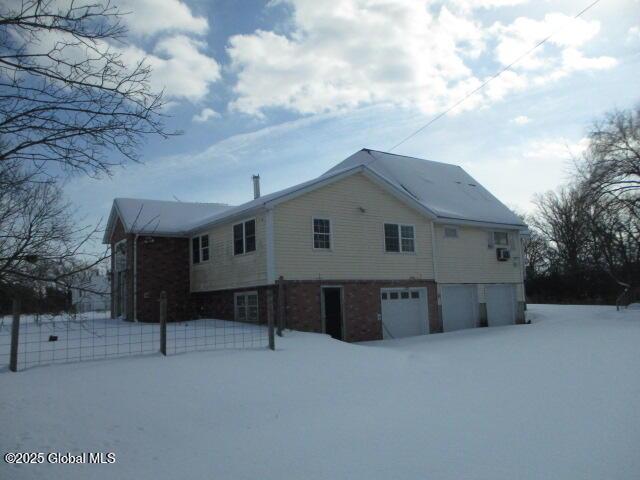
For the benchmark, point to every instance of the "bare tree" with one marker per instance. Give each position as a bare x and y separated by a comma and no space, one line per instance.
66,95
612,164
39,241
562,219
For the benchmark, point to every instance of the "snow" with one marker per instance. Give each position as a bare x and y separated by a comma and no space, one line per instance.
557,399
94,335
445,189
159,216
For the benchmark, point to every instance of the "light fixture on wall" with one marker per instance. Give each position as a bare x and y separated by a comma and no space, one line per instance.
362,210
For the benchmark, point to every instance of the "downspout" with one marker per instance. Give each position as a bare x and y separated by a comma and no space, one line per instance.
135,278
433,252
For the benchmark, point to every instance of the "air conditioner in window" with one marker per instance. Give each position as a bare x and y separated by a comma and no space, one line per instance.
503,254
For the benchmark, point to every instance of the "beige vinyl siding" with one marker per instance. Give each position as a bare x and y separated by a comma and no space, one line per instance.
467,258
226,270
357,250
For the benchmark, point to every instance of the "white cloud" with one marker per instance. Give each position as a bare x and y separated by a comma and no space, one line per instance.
148,17
345,53
472,4
180,67
532,167
569,35
633,35
521,120
205,114
341,54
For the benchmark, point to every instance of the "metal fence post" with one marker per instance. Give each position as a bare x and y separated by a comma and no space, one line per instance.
163,322
272,339
280,305
15,332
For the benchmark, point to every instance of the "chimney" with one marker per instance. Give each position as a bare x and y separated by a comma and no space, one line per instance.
256,186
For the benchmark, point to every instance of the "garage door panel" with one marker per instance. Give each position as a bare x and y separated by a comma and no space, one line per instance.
404,312
501,305
459,307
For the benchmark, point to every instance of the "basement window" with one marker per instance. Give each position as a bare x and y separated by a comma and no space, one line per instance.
399,238
244,237
246,307
200,249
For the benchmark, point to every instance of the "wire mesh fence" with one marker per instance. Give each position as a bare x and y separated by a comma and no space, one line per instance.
92,335
207,334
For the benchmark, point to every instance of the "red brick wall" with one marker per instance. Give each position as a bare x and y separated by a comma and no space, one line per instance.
361,306
162,264
220,304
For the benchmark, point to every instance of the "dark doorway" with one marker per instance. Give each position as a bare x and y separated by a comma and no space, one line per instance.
332,303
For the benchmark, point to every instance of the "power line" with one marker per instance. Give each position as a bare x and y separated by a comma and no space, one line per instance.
490,79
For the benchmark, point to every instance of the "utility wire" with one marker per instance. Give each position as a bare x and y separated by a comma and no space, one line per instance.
490,79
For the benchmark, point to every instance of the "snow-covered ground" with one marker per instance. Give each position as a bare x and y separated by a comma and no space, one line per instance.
94,336
557,399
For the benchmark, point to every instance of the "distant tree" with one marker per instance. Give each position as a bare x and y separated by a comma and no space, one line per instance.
562,219
610,176
39,241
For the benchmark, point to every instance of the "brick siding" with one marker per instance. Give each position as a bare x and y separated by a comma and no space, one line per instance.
163,264
361,306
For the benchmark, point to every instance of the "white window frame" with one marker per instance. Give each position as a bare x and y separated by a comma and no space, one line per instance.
201,248
244,237
246,306
450,227
495,243
313,234
401,249
121,265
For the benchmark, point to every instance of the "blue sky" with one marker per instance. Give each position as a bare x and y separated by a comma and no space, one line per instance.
288,88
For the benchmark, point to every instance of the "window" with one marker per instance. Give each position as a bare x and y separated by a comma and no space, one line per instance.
384,295
244,237
404,295
247,307
415,294
200,248
321,233
407,236
204,247
399,238
450,232
500,238
393,295
391,243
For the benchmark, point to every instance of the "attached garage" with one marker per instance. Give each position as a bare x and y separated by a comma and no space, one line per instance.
404,312
501,305
459,307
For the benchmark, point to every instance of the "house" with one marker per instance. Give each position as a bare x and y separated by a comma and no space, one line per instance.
381,245
90,292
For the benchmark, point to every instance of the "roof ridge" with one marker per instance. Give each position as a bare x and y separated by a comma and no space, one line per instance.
369,150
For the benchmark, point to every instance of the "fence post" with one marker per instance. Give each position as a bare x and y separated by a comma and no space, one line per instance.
272,339
280,305
163,323
15,332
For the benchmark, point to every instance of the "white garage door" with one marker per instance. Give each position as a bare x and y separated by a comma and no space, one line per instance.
501,305
404,312
459,307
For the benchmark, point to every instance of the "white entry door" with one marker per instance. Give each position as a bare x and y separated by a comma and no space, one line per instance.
404,312
459,307
501,305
